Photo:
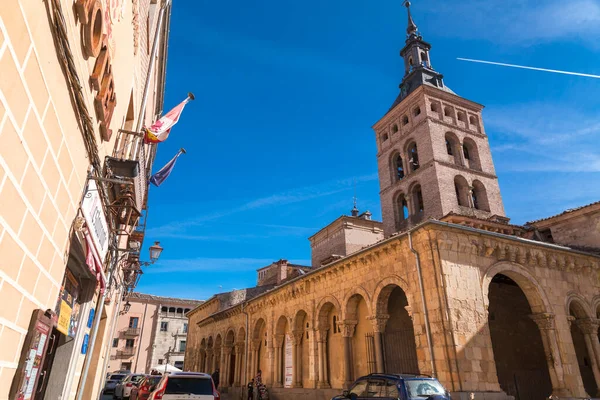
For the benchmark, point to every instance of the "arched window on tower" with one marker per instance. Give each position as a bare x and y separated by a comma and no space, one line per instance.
453,148
471,154
405,120
479,196
397,167
402,212
394,128
424,59
413,156
461,186
418,199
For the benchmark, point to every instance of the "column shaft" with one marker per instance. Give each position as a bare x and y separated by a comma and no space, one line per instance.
378,337
590,348
347,362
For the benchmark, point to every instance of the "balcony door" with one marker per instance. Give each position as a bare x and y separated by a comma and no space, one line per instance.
133,322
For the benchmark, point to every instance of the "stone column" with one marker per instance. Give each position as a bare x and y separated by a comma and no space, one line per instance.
237,376
546,324
278,342
225,373
254,365
589,328
207,360
379,322
322,359
348,328
297,359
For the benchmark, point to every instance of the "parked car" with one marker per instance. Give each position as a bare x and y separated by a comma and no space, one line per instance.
185,386
144,387
123,388
402,387
112,381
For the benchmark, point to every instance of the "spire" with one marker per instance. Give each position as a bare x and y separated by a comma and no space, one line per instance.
354,211
411,30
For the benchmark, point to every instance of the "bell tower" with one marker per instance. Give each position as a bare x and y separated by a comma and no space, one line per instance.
432,151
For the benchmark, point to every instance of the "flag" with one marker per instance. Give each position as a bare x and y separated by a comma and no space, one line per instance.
158,178
159,131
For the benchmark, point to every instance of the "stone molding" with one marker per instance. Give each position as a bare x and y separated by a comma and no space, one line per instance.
588,326
544,321
348,327
379,322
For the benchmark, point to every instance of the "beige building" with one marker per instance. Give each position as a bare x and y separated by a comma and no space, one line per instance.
453,290
151,333
72,83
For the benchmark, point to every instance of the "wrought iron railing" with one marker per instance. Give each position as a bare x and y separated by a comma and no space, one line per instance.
131,332
130,146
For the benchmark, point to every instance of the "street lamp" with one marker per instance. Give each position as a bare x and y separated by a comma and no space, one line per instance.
155,251
127,307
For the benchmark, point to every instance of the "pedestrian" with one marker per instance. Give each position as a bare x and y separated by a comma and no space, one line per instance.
251,389
215,378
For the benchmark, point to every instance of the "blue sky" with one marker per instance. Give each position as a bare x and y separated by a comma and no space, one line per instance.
287,92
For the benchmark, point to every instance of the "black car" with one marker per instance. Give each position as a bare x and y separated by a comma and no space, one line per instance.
401,387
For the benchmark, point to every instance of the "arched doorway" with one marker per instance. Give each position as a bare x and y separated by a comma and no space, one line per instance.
356,316
517,344
259,350
329,346
228,374
200,367
210,352
217,357
397,332
283,355
240,349
301,340
583,333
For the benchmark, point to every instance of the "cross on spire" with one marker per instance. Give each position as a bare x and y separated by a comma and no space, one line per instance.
412,28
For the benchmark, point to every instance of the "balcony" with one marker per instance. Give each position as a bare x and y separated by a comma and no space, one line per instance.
126,352
131,332
129,165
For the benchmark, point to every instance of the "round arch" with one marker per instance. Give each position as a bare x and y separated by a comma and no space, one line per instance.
230,337
577,306
326,304
596,306
241,335
281,325
298,320
350,301
210,341
384,289
258,325
537,298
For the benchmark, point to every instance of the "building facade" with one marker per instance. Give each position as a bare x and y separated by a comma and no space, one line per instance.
452,290
72,91
150,334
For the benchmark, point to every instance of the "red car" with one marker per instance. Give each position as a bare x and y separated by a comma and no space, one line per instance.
143,389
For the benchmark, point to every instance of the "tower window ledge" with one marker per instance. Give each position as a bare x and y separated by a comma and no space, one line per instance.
466,169
454,126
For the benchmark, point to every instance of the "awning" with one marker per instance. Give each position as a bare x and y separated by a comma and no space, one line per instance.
93,261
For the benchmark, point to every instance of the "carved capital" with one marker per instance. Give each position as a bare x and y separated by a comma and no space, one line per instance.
544,321
256,344
278,340
227,349
297,337
379,322
209,351
322,335
348,327
588,325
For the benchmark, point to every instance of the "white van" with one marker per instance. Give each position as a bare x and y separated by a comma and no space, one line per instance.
185,386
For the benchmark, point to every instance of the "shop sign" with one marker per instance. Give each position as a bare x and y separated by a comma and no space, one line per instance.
92,210
67,307
91,318
84,346
288,361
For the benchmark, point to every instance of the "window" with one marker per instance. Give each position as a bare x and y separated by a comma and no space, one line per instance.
171,310
405,120
164,326
398,167
185,328
180,311
479,196
473,120
391,390
188,385
417,111
384,137
447,112
435,107
178,364
133,322
449,147
164,310
334,324
182,346
359,389
115,342
126,366
462,116
402,212
129,343
466,152
471,154
161,361
421,388
462,191
377,388
413,157
187,310
394,128
418,199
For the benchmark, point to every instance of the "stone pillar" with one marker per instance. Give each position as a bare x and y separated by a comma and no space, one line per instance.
254,364
225,373
322,359
546,324
348,328
379,322
239,351
297,359
589,328
278,342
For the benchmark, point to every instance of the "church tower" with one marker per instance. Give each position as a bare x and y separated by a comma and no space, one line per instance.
432,151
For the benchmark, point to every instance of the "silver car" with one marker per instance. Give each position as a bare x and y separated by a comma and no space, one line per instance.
123,388
111,383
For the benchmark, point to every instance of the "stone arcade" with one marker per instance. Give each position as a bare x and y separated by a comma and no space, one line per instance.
445,286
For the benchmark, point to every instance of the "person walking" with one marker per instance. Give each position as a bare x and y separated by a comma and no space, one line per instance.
251,389
215,378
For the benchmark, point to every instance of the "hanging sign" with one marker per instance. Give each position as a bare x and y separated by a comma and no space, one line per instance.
91,318
288,346
92,210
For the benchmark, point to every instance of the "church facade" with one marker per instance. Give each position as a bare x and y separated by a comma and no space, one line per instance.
444,286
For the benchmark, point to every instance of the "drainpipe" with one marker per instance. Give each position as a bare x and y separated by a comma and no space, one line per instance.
425,313
245,380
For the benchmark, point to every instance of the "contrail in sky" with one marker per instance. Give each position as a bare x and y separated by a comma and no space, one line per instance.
532,68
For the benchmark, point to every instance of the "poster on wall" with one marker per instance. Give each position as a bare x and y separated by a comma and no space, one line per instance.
33,361
288,346
67,308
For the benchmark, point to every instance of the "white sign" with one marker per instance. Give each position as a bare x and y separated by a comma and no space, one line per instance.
289,347
95,219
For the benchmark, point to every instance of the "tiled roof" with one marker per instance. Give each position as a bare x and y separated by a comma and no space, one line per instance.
570,210
161,299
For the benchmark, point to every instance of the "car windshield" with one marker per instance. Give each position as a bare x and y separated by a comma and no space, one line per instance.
153,380
423,388
137,378
116,377
189,386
